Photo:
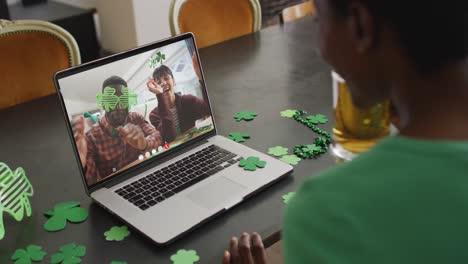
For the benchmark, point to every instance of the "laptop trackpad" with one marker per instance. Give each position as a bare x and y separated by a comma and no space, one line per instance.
217,193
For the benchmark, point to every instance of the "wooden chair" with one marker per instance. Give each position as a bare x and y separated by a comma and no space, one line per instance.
31,52
214,21
297,11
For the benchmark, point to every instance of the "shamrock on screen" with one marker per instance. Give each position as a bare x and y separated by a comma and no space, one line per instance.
108,100
128,98
158,58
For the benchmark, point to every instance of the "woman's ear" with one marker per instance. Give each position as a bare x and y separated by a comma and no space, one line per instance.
363,26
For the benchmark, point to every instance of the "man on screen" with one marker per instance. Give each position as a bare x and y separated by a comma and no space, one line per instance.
119,138
175,114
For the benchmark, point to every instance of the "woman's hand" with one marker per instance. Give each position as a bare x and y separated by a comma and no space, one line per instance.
154,87
246,250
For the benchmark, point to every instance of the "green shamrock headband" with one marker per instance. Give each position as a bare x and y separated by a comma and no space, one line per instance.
108,100
158,58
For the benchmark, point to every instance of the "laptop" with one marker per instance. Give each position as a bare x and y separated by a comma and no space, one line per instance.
145,140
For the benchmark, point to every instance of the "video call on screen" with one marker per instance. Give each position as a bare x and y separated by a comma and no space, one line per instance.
134,109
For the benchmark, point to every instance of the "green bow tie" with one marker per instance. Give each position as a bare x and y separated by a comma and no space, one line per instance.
114,132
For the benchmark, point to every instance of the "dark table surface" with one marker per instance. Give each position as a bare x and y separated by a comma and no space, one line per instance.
267,72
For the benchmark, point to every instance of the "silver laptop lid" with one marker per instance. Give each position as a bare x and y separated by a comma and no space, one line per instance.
133,108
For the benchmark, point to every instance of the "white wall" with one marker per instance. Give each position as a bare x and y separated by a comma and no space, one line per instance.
126,24
117,25
152,20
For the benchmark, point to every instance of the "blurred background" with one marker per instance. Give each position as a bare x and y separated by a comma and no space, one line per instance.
103,27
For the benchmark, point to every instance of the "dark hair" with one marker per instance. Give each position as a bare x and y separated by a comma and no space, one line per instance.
433,33
114,80
161,71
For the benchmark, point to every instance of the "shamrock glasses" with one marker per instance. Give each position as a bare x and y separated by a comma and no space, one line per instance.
108,100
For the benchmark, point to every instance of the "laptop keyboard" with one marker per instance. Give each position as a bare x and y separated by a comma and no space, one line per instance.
178,176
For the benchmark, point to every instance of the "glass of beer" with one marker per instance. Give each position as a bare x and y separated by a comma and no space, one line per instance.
356,130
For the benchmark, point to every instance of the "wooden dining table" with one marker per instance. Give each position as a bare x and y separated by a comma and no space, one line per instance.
267,72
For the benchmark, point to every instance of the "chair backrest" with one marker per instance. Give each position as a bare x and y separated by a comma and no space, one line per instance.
31,52
297,11
214,21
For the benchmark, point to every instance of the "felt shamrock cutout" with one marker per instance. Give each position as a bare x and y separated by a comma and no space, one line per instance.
288,113
117,233
69,254
291,159
251,163
245,115
287,197
185,257
118,262
63,212
317,119
14,200
278,151
108,100
32,253
238,137
312,149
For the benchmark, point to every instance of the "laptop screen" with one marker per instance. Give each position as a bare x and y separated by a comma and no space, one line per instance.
129,110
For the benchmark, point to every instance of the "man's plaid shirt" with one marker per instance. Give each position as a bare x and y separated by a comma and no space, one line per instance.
107,153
